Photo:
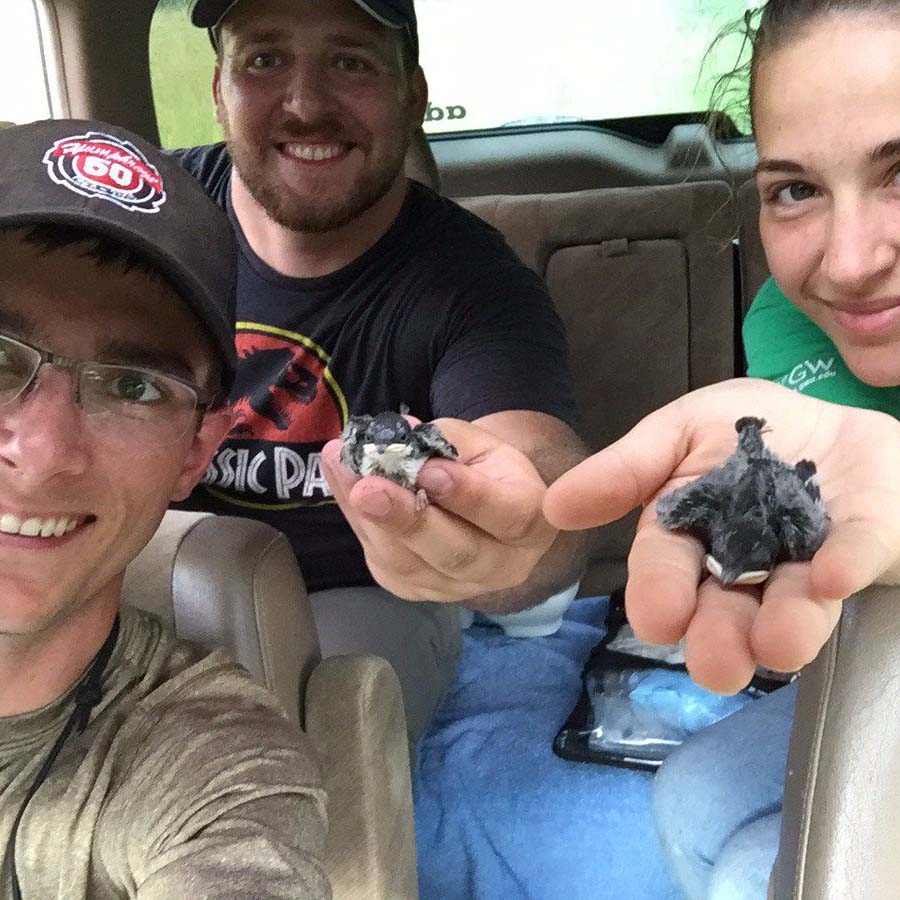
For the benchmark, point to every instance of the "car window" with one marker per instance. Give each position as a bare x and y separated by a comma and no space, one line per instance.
23,87
575,60
181,67
500,63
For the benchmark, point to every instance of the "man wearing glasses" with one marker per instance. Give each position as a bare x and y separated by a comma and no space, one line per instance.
131,764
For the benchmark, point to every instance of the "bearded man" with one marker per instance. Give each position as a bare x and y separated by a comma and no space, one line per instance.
386,294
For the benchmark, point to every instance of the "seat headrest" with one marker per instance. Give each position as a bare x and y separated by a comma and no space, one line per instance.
231,583
420,163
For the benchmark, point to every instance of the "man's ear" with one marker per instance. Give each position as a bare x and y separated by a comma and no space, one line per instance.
418,97
204,443
216,89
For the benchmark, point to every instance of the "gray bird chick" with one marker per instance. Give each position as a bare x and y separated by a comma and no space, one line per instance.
387,445
752,512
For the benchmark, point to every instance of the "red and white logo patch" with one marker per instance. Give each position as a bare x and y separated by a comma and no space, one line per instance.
100,165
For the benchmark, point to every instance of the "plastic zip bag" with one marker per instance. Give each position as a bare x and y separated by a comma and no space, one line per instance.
638,702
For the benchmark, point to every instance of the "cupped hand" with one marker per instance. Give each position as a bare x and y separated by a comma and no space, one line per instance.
483,529
783,623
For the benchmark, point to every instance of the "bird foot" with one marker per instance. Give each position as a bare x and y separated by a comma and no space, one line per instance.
421,500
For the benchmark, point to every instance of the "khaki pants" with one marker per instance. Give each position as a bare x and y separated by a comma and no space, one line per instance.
420,640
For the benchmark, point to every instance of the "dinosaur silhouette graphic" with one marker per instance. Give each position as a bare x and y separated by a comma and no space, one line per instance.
277,381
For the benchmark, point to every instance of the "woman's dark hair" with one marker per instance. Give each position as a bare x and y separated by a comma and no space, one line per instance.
764,30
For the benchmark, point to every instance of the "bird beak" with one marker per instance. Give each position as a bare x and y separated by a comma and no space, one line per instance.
715,568
751,577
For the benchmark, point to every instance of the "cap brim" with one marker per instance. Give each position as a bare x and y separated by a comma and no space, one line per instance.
381,15
179,275
208,13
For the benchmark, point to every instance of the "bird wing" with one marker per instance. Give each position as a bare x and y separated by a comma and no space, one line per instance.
806,472
692,506
801,519
429,437
351,441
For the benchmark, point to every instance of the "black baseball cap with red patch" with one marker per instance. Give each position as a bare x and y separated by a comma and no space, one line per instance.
397,14
110,182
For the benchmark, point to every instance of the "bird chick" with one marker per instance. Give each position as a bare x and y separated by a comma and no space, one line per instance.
752,512
387,445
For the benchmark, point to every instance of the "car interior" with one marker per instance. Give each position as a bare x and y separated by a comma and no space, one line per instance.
644,230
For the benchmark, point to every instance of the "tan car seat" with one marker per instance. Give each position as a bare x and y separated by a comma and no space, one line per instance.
420,164
643,280
230,582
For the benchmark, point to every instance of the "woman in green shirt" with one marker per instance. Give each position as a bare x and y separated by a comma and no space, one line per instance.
825,105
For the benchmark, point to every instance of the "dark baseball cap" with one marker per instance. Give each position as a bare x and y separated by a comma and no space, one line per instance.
110,182
397,14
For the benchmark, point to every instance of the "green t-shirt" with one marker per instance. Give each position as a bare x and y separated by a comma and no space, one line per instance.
783,345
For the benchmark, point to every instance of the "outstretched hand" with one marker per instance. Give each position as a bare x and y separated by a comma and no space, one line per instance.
483,529
783,623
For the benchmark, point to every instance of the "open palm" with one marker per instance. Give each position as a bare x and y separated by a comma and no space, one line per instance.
783,623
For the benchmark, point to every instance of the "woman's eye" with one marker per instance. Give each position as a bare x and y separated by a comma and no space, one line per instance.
795,192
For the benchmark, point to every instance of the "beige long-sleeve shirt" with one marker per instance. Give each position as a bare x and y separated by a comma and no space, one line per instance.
189,783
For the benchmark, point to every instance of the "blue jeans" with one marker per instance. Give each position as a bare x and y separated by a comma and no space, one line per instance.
717,801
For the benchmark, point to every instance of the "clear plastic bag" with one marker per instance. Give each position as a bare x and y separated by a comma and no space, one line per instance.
640,714
638,702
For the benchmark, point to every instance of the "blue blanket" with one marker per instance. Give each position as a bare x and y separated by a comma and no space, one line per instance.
498,815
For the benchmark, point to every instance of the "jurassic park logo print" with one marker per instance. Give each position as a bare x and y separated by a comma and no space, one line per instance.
109,168
287,405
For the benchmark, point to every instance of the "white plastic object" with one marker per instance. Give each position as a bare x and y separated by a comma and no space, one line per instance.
539,621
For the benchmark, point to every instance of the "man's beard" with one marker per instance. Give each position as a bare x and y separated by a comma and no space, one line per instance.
310,214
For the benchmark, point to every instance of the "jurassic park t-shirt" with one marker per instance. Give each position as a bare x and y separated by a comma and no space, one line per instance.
439,314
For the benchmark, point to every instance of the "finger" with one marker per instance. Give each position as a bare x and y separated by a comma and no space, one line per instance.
508,508
364,498
340,477
855,554
717,644
444,542
422,584
792,625
409,541
664,570
340,482
626,474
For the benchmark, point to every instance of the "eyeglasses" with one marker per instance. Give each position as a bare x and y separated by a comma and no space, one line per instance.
157,405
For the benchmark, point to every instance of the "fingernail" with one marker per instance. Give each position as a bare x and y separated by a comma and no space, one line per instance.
436,481
376,504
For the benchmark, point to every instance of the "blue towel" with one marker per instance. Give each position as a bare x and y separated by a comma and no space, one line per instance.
498,815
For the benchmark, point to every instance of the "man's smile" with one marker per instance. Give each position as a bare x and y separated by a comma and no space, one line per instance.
41,526
314,152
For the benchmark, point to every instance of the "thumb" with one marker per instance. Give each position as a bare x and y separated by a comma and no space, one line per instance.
855,554
626,474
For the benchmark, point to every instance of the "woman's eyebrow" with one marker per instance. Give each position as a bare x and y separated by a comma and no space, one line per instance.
887,150
778,165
